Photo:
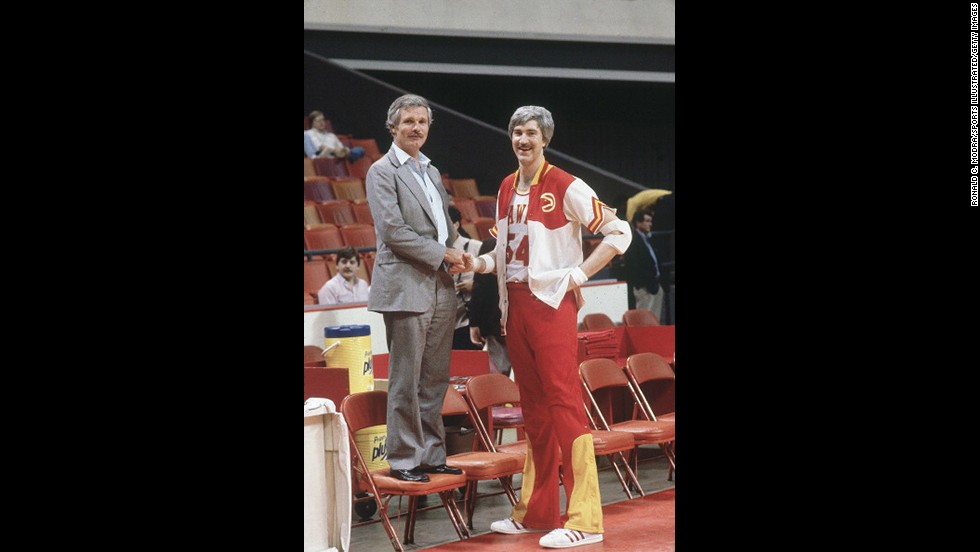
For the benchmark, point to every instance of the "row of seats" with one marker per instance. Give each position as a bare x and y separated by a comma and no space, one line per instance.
325,166
325,188
632,317
343,212
331,236
340,212
343,169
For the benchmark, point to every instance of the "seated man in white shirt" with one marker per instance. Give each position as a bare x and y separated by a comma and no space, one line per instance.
345,287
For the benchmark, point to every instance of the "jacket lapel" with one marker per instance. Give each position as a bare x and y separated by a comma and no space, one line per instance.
404,173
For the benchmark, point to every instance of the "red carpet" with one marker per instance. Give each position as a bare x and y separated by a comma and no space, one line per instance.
645,523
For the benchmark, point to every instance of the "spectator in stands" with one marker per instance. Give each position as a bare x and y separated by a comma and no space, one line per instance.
642,269
464,285
318,142
412,287
484,315
345,287
539,265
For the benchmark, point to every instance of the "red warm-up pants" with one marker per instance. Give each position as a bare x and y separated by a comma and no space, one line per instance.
543,347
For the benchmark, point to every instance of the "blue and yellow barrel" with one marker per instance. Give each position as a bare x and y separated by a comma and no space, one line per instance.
350,347
371,444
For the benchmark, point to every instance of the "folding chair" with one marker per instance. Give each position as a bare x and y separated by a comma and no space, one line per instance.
369,408
480,465
652,379
485,393
651,372
493,390
602,374
597,321
640,317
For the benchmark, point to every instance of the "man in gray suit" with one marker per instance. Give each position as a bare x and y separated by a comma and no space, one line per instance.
412,287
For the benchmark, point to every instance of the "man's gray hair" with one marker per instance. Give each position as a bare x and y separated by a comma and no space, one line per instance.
539,114
408,100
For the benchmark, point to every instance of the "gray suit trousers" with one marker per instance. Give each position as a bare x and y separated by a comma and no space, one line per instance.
419,347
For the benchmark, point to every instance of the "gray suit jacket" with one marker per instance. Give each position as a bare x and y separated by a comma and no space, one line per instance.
409,255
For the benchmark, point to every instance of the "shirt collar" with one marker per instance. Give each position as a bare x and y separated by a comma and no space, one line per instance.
404,157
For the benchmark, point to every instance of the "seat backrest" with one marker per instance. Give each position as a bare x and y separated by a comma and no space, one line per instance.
367,259
322,236
360,167
313,356
469,362
310,215
317,188
364,409
640,317
315,274
470,229
338,211
486,206
485,391
326,166
348,188
483,226
370,145
491,389
602,373
359,235
453,404
654,378
601,377
308,169
467,208
597,321
649,367
464,187
362,212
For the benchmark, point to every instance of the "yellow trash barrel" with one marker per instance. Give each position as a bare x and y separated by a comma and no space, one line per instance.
350,347
371,444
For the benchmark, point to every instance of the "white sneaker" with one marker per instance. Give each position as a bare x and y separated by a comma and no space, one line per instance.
511,527
567,538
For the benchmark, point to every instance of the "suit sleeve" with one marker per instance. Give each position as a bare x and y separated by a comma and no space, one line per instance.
390,225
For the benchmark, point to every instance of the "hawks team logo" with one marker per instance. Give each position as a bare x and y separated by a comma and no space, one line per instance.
547,202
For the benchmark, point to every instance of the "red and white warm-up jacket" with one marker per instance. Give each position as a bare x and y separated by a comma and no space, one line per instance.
558,205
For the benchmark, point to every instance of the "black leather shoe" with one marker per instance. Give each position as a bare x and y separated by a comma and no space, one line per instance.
413,475
443,469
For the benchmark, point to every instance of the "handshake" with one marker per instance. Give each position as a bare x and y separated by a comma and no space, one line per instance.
458,261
